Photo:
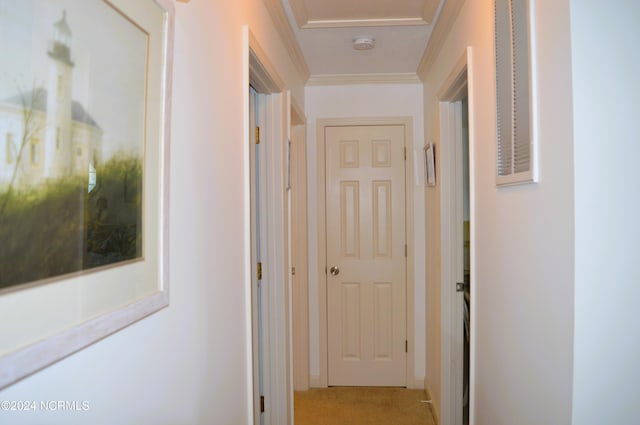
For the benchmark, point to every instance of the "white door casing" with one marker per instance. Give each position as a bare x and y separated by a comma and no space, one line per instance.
366,241
299,259
458,84
275,325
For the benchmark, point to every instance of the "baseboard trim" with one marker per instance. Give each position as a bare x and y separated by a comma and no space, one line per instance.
314,381
432,405
417,384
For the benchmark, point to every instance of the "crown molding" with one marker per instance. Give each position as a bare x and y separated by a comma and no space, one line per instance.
299,11
441,29
304,22
280,21
348,23
430,10
351,79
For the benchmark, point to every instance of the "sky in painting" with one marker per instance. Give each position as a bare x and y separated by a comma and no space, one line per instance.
109,53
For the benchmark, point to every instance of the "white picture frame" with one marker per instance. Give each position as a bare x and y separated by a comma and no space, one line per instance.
430,165
48,320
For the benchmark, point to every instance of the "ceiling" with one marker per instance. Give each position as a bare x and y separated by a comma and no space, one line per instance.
325,30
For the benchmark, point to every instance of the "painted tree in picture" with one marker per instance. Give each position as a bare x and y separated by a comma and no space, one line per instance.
30,127
71,146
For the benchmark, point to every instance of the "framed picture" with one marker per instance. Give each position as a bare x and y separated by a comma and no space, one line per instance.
85,90
430,164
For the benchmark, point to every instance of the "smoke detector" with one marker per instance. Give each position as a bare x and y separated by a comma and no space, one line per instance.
364,43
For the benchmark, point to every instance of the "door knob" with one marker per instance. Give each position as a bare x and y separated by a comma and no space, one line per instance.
335,271
461,286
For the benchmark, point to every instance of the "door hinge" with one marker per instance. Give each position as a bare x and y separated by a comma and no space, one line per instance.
259,271
406,346
405,154
257,135
405,251
261,404
293,271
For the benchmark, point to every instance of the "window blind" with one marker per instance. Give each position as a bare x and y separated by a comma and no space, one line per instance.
513,92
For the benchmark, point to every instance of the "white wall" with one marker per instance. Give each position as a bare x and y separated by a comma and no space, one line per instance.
187,364
523,239
606,67
365,101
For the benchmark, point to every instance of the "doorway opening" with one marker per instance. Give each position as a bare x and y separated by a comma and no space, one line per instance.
257,239
466,253
267,241
380,155
457,242
376,153
366,255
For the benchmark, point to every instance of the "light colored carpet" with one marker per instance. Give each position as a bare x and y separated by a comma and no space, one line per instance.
361,406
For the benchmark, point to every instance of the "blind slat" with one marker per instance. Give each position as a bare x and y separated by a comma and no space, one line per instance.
514,153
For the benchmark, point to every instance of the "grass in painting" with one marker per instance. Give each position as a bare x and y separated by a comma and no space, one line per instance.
61,227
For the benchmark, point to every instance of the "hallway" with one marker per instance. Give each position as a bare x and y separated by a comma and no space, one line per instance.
361,405
553,261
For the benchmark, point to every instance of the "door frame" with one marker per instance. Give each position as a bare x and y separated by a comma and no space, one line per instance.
298,251
277,379
458,83
321,124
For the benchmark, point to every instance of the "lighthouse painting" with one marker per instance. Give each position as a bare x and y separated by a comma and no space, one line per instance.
72,139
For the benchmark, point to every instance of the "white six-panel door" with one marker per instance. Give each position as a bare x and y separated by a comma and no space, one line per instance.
366,257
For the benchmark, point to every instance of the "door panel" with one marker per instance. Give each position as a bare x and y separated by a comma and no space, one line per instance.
350,218
366,236
382,227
